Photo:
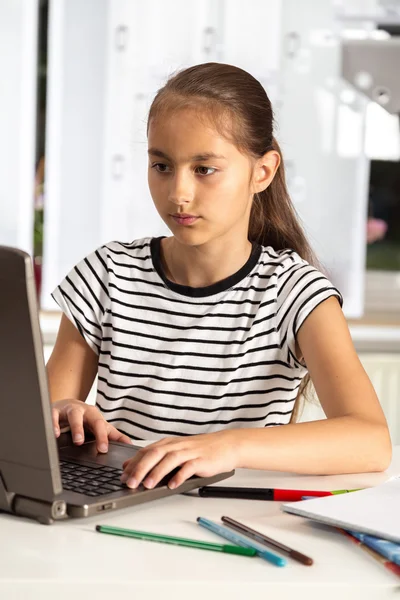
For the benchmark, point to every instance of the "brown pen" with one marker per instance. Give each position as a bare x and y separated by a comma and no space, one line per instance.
267,541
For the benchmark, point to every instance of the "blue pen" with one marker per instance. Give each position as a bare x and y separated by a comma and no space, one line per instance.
241,541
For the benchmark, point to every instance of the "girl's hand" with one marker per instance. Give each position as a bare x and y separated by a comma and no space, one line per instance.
79,415
203,455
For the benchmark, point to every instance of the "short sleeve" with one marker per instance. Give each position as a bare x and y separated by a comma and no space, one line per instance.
83,296
301,288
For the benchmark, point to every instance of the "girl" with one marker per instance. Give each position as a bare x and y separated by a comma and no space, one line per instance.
204,340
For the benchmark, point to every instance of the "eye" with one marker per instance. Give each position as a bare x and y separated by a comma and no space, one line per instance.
206,169
159,167
203,171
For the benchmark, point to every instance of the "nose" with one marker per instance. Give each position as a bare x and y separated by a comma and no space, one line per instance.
181,190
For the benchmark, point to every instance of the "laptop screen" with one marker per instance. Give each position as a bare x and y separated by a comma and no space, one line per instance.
28,452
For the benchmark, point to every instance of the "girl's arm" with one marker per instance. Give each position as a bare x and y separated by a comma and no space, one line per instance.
354,437
71,370
72,366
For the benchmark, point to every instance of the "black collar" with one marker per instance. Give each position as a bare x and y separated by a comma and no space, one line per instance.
209,290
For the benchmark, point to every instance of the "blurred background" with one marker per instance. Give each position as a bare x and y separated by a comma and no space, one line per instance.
78,77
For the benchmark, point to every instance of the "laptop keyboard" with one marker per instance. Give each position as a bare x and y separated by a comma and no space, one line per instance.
92,481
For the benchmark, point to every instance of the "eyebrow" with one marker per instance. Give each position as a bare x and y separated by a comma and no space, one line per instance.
196,157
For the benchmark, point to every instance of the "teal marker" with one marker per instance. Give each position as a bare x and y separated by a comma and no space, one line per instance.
240,540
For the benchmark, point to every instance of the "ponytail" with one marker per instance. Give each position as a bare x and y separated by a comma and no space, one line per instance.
274,222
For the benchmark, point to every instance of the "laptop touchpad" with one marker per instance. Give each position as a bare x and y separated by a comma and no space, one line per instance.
116,455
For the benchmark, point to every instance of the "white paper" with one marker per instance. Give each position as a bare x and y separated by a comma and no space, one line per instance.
375,511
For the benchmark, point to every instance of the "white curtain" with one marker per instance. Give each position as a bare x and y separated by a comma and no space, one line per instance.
18,72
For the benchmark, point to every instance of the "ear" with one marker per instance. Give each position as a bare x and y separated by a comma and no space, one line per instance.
264,170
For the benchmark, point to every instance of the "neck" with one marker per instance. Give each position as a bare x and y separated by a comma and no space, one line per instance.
204,265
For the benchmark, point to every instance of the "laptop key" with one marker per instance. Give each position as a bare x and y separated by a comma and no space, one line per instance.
95,483
103,490
114,488
67,486
92,481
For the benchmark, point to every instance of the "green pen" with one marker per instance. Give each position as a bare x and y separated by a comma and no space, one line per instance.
334,492
331,493
167,539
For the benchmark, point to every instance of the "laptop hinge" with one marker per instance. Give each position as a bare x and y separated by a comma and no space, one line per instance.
40,510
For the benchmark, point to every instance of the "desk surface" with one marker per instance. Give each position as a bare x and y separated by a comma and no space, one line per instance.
71,560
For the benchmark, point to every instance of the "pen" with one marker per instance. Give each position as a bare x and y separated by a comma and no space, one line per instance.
244,493
166,539
241,541
263,539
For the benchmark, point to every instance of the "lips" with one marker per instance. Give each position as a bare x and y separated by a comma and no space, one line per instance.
184,216
184,219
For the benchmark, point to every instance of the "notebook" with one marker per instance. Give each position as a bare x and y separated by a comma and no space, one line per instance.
385,548
374,511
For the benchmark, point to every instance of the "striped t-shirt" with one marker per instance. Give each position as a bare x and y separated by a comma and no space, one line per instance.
178,360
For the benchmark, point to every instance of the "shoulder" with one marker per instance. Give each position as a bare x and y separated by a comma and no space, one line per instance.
117,250
283,263
113,257
281,259
295,276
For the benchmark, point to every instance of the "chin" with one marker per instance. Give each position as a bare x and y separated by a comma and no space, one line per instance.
187,237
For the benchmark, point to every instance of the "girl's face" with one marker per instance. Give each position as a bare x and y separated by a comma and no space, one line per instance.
193,171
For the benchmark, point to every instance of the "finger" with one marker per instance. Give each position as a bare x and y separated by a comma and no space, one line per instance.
130,463
190,468
164,468
75,420
55,415
177,445
95,422
140,465
116,436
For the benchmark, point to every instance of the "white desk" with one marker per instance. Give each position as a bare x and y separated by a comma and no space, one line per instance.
69,560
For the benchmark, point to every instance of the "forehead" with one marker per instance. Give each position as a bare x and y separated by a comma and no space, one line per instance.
186,133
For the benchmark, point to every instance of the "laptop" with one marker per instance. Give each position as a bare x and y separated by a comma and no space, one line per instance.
41,477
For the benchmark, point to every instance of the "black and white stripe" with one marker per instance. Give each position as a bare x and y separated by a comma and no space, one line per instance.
175,360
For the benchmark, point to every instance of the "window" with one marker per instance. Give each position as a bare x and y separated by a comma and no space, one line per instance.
383,251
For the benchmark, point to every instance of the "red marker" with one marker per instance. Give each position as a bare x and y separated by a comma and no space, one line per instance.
244,493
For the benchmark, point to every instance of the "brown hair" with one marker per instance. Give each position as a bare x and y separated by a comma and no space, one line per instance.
238,106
